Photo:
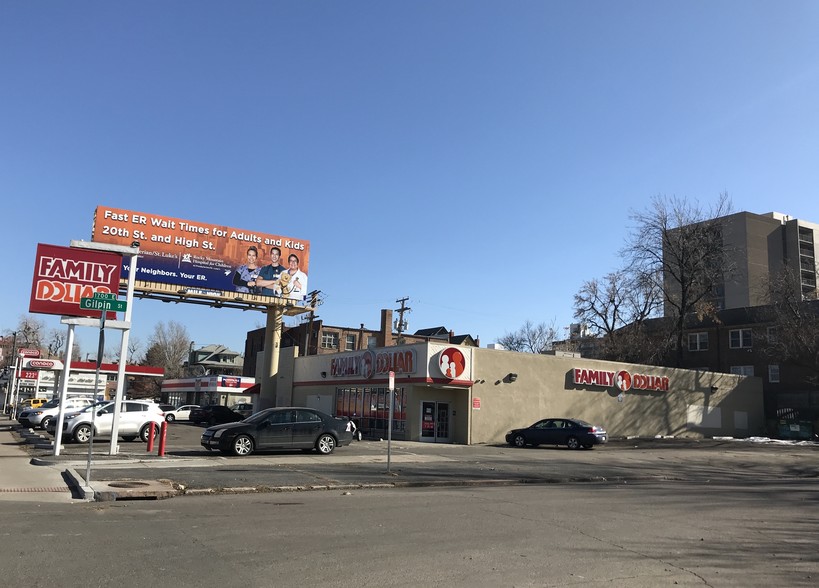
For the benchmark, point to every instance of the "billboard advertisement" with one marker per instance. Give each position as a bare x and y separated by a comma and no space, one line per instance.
207,259
65,275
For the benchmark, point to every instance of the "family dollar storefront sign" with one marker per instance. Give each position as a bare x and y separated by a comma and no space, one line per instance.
63,276
622,380
371,363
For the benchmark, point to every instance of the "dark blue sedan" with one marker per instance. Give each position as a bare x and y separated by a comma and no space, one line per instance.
573,433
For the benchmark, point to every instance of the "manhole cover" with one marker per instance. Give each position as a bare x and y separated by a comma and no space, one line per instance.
128,484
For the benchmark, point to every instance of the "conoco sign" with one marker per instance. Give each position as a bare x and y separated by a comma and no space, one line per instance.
41,363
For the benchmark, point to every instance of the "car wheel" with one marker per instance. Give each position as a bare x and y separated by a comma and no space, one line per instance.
242,445
519,441
128,438
573,443
325,444
82,434
145,432
170,418
44,423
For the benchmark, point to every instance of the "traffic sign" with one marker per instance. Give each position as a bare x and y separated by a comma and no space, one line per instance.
104,296
106,304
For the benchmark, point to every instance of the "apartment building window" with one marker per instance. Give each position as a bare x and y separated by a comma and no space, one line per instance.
698,342
742,370
372,341
740,338
349,343
329,340
773,373
771,335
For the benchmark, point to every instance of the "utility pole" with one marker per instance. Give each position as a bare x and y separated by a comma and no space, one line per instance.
401,324
314,302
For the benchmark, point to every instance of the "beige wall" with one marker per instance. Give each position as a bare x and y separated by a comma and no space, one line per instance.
545,388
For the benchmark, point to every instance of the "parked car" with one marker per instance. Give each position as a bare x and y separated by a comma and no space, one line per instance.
280,428
214,414
243,408
40,417
135,418
31,403
180,414
573,433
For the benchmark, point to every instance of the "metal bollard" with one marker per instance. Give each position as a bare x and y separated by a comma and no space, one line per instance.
151,431
163,435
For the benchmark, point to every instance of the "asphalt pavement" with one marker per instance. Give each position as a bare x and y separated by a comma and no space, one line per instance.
31,471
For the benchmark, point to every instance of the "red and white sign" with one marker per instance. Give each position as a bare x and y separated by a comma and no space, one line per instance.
45,364
26,352
65,275
451,362
372,363
28,374
476,403
622,380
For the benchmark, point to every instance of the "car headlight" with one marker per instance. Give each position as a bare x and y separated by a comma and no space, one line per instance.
68,417
218,433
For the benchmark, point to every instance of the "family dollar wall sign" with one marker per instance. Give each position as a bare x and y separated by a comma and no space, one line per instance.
103,301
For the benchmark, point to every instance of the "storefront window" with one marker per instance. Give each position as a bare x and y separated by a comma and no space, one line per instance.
370,408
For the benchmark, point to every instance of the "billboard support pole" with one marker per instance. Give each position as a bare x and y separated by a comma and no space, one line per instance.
272,341
123,350
69,348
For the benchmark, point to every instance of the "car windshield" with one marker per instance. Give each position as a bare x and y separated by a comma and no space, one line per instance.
91,407
258,417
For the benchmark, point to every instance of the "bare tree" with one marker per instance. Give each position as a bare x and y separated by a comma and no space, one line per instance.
169,346
56,342
530,338
678,245
795,337
134,346
614,311
30,332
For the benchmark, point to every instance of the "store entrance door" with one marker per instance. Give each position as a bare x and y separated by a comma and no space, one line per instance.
435,422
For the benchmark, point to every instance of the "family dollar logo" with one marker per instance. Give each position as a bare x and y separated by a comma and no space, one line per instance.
451,362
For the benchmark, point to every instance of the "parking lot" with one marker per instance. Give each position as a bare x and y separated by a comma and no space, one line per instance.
375,462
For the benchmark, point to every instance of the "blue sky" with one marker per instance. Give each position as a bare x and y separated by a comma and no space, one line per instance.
478,157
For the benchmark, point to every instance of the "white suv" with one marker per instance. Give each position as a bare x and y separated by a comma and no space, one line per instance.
40,417
135,418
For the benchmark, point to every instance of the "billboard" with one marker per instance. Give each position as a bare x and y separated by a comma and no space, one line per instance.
65,275
208,259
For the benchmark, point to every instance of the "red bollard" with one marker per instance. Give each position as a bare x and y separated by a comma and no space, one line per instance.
163,435
151,431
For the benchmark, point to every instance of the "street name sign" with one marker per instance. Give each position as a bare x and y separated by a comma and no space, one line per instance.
105,302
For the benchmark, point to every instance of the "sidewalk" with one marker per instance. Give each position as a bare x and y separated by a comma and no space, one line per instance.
22,482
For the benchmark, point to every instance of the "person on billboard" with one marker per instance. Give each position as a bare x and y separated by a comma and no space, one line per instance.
268,279
293,282
247,273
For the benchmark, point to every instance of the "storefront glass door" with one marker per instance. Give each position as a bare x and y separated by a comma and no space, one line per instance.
435,422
